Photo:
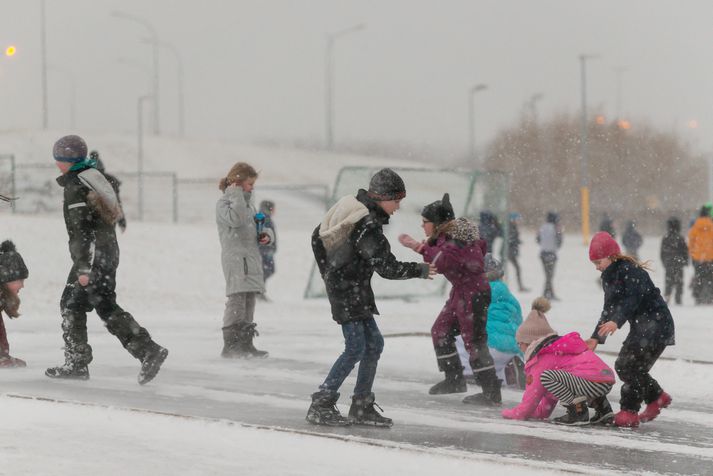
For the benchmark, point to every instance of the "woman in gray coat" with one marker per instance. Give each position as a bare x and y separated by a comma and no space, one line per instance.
242,265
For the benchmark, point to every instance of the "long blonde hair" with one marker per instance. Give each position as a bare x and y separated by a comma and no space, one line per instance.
238,172
641,264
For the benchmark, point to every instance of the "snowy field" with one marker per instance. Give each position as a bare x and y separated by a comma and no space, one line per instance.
207,415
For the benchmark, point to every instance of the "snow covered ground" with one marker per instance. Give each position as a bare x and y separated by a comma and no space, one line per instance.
207,415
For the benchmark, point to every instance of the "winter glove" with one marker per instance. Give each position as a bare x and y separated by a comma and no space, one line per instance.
409,242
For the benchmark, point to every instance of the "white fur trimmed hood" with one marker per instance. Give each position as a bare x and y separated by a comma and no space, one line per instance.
339,221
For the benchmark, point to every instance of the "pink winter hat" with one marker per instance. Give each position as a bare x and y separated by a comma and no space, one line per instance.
603,246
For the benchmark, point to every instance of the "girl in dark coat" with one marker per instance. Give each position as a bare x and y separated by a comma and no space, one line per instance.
674,254
13,273
630,296
457,251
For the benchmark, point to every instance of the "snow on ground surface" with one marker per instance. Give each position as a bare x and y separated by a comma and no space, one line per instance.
249,415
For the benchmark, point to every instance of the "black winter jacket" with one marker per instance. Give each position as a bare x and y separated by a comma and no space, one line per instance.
92,241
674,252
353,257
630,296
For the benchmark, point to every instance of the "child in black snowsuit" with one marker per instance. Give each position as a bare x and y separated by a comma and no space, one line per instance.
674,254
630,296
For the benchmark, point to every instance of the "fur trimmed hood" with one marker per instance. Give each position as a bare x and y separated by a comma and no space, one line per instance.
463,229
340,220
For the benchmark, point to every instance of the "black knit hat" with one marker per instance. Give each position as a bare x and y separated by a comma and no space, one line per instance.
386,185
12,267
70,149
440,211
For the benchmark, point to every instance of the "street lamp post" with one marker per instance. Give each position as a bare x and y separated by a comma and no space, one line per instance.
43,59
329,80
471,118
140,162
619,73
584,187
532,105
155,55
179,84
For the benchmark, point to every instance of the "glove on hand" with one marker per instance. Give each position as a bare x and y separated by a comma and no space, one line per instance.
409,242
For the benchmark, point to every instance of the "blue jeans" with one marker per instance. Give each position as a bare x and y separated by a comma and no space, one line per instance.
363,343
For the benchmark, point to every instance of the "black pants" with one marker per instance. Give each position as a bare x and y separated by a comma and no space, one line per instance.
513,259
674,282
480,358
703,282
98,295
632,366
549,259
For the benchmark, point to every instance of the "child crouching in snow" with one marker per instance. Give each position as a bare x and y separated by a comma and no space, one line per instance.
560,368
13,273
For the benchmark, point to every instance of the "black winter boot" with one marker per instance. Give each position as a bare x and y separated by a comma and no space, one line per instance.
73,372
362,412
491,396
231,344
324,411
454,383
577,414
151,363
246,332
603,413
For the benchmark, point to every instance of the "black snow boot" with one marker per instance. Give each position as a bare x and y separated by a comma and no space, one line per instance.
603,413
362,412
577,414
490,397
231,343
246,332
73,372
453,383
324,411
151,363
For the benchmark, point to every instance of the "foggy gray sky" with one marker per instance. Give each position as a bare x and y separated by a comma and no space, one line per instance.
255,69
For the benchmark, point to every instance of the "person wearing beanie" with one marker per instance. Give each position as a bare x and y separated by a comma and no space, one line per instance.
674,255
349,245
504,318
13,274
560,368
115,184
549,238
240,240
91,210
630,296
456,250
700,247
267,251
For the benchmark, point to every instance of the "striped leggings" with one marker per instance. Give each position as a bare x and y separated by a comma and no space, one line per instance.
571,389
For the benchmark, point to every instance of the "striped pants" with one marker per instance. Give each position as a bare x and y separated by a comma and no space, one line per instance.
571,389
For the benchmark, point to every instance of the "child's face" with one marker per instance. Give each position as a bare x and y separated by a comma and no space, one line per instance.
390,206
428,227
63,166
602,264
248,184
523,346
15,286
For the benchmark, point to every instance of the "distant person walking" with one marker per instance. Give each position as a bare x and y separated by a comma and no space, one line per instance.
550,239
700,247
632,240
514,243
489,228
268,250
607,224
674,255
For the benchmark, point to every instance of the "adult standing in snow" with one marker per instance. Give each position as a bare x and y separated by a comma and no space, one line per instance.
268,250
700,247
13,274
454,247
115,184
607,224
550,239
91,210
240,257
489,228
514,243
632,240
674,255
630,296
349,245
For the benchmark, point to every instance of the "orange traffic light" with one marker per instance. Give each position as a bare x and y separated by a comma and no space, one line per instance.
10,50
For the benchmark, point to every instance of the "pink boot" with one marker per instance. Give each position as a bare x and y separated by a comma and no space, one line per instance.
626,419
654,408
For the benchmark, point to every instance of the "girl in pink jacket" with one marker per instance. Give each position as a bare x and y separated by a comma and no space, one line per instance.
560,368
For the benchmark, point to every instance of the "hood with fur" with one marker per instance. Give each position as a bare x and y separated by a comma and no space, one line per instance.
339,221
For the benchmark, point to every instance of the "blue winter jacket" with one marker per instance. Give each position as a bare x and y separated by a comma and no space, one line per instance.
504,317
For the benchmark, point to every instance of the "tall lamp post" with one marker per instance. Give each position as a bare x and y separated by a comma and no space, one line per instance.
584,187
532,105
43,59
153,36
140,162
179,83
329,80
471,118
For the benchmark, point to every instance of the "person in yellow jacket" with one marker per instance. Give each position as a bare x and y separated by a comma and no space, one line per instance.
700,247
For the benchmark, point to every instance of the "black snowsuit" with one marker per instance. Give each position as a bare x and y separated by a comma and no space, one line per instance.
632,240
674,255
630,296
94,252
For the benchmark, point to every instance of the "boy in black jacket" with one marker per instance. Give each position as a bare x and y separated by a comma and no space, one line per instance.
349,245
91,210
674,254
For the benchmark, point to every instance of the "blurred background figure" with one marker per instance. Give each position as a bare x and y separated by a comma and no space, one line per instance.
549,238
674,255
115,184
489,228
700,248
514,247
607,224
632,240
267,251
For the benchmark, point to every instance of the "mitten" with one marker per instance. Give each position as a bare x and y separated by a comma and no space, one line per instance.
409,242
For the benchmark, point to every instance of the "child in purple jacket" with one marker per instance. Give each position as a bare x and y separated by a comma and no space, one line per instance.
457,252
560,368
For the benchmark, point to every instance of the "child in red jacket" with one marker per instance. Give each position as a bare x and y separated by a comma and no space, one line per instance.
13,273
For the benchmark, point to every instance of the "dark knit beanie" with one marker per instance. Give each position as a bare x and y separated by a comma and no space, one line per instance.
12,267
440,211
70,149
386,185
